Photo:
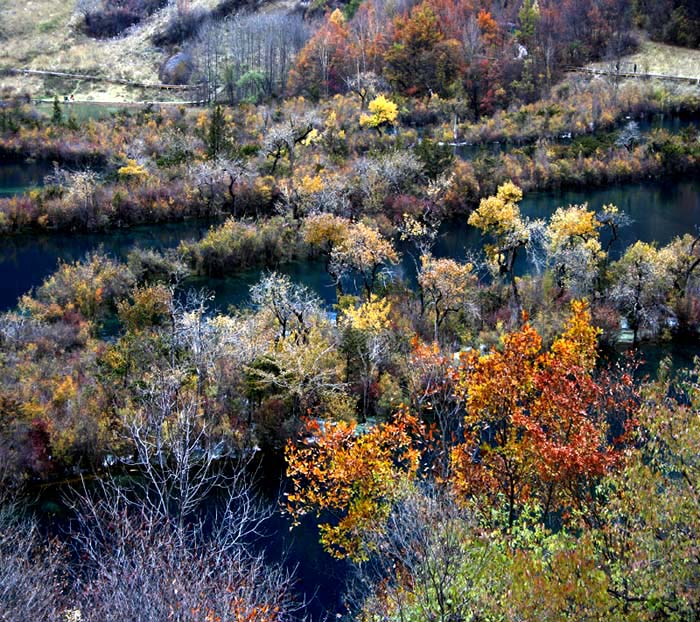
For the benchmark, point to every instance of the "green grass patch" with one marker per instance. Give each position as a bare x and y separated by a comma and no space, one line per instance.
50,24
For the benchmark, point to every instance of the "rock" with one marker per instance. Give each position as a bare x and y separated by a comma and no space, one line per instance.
177,69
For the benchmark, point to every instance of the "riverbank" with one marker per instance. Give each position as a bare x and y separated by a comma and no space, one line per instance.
198,189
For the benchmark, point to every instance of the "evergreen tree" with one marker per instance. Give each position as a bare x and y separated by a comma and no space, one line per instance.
217,130
57,115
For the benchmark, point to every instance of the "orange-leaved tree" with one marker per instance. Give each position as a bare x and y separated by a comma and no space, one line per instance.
353,477
534,431
325,61
535,423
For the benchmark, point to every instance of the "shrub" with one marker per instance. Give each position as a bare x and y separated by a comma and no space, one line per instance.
236,245
112,17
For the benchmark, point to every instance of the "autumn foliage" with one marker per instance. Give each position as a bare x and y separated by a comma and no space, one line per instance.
355,475
535,423
534,430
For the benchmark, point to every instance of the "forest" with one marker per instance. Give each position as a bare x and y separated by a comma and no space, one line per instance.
398,322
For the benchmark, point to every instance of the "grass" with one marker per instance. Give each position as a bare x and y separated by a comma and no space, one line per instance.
49,25
664,59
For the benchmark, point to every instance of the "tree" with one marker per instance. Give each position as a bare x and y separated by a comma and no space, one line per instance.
384,113
366,340
612,219
640,286
79,191
648,543
434,394
292,305
325,231
91,286
259,49
216,181
499,216
338,468
364,251
529,16
326,61
138,564
283,138
535,423
383,177
365,85
682,256
574,249
216,137
443,562
534,435
57,114
433,563
31,569
437,158
133,171
447,287
305,375
421,60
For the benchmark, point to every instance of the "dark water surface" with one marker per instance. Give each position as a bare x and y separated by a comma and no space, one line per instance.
659,210
19,177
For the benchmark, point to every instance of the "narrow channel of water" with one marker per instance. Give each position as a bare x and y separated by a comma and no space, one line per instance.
659,210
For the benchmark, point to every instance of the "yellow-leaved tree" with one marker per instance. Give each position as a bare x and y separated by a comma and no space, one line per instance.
384,113
573,248
499,217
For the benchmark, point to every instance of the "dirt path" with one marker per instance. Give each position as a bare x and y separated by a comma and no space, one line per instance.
94,78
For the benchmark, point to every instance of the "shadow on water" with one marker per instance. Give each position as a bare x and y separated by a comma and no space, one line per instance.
18,177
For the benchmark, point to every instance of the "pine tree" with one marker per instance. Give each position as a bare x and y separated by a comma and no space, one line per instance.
57,115
216,139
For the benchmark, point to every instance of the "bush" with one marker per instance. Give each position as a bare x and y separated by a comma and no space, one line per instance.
91,287
180,28
112,17
237,245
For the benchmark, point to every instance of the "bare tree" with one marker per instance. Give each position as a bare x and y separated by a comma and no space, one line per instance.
366,85
136,568
31,570
292,305
216,182
249,54
209,51
392,173
429,564
79,191
282,139
264,43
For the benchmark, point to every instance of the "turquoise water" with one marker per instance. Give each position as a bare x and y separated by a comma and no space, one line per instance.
19,177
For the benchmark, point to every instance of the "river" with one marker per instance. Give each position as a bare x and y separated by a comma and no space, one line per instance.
659,210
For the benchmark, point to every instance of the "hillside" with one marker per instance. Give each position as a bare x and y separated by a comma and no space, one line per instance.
45,35
660,58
